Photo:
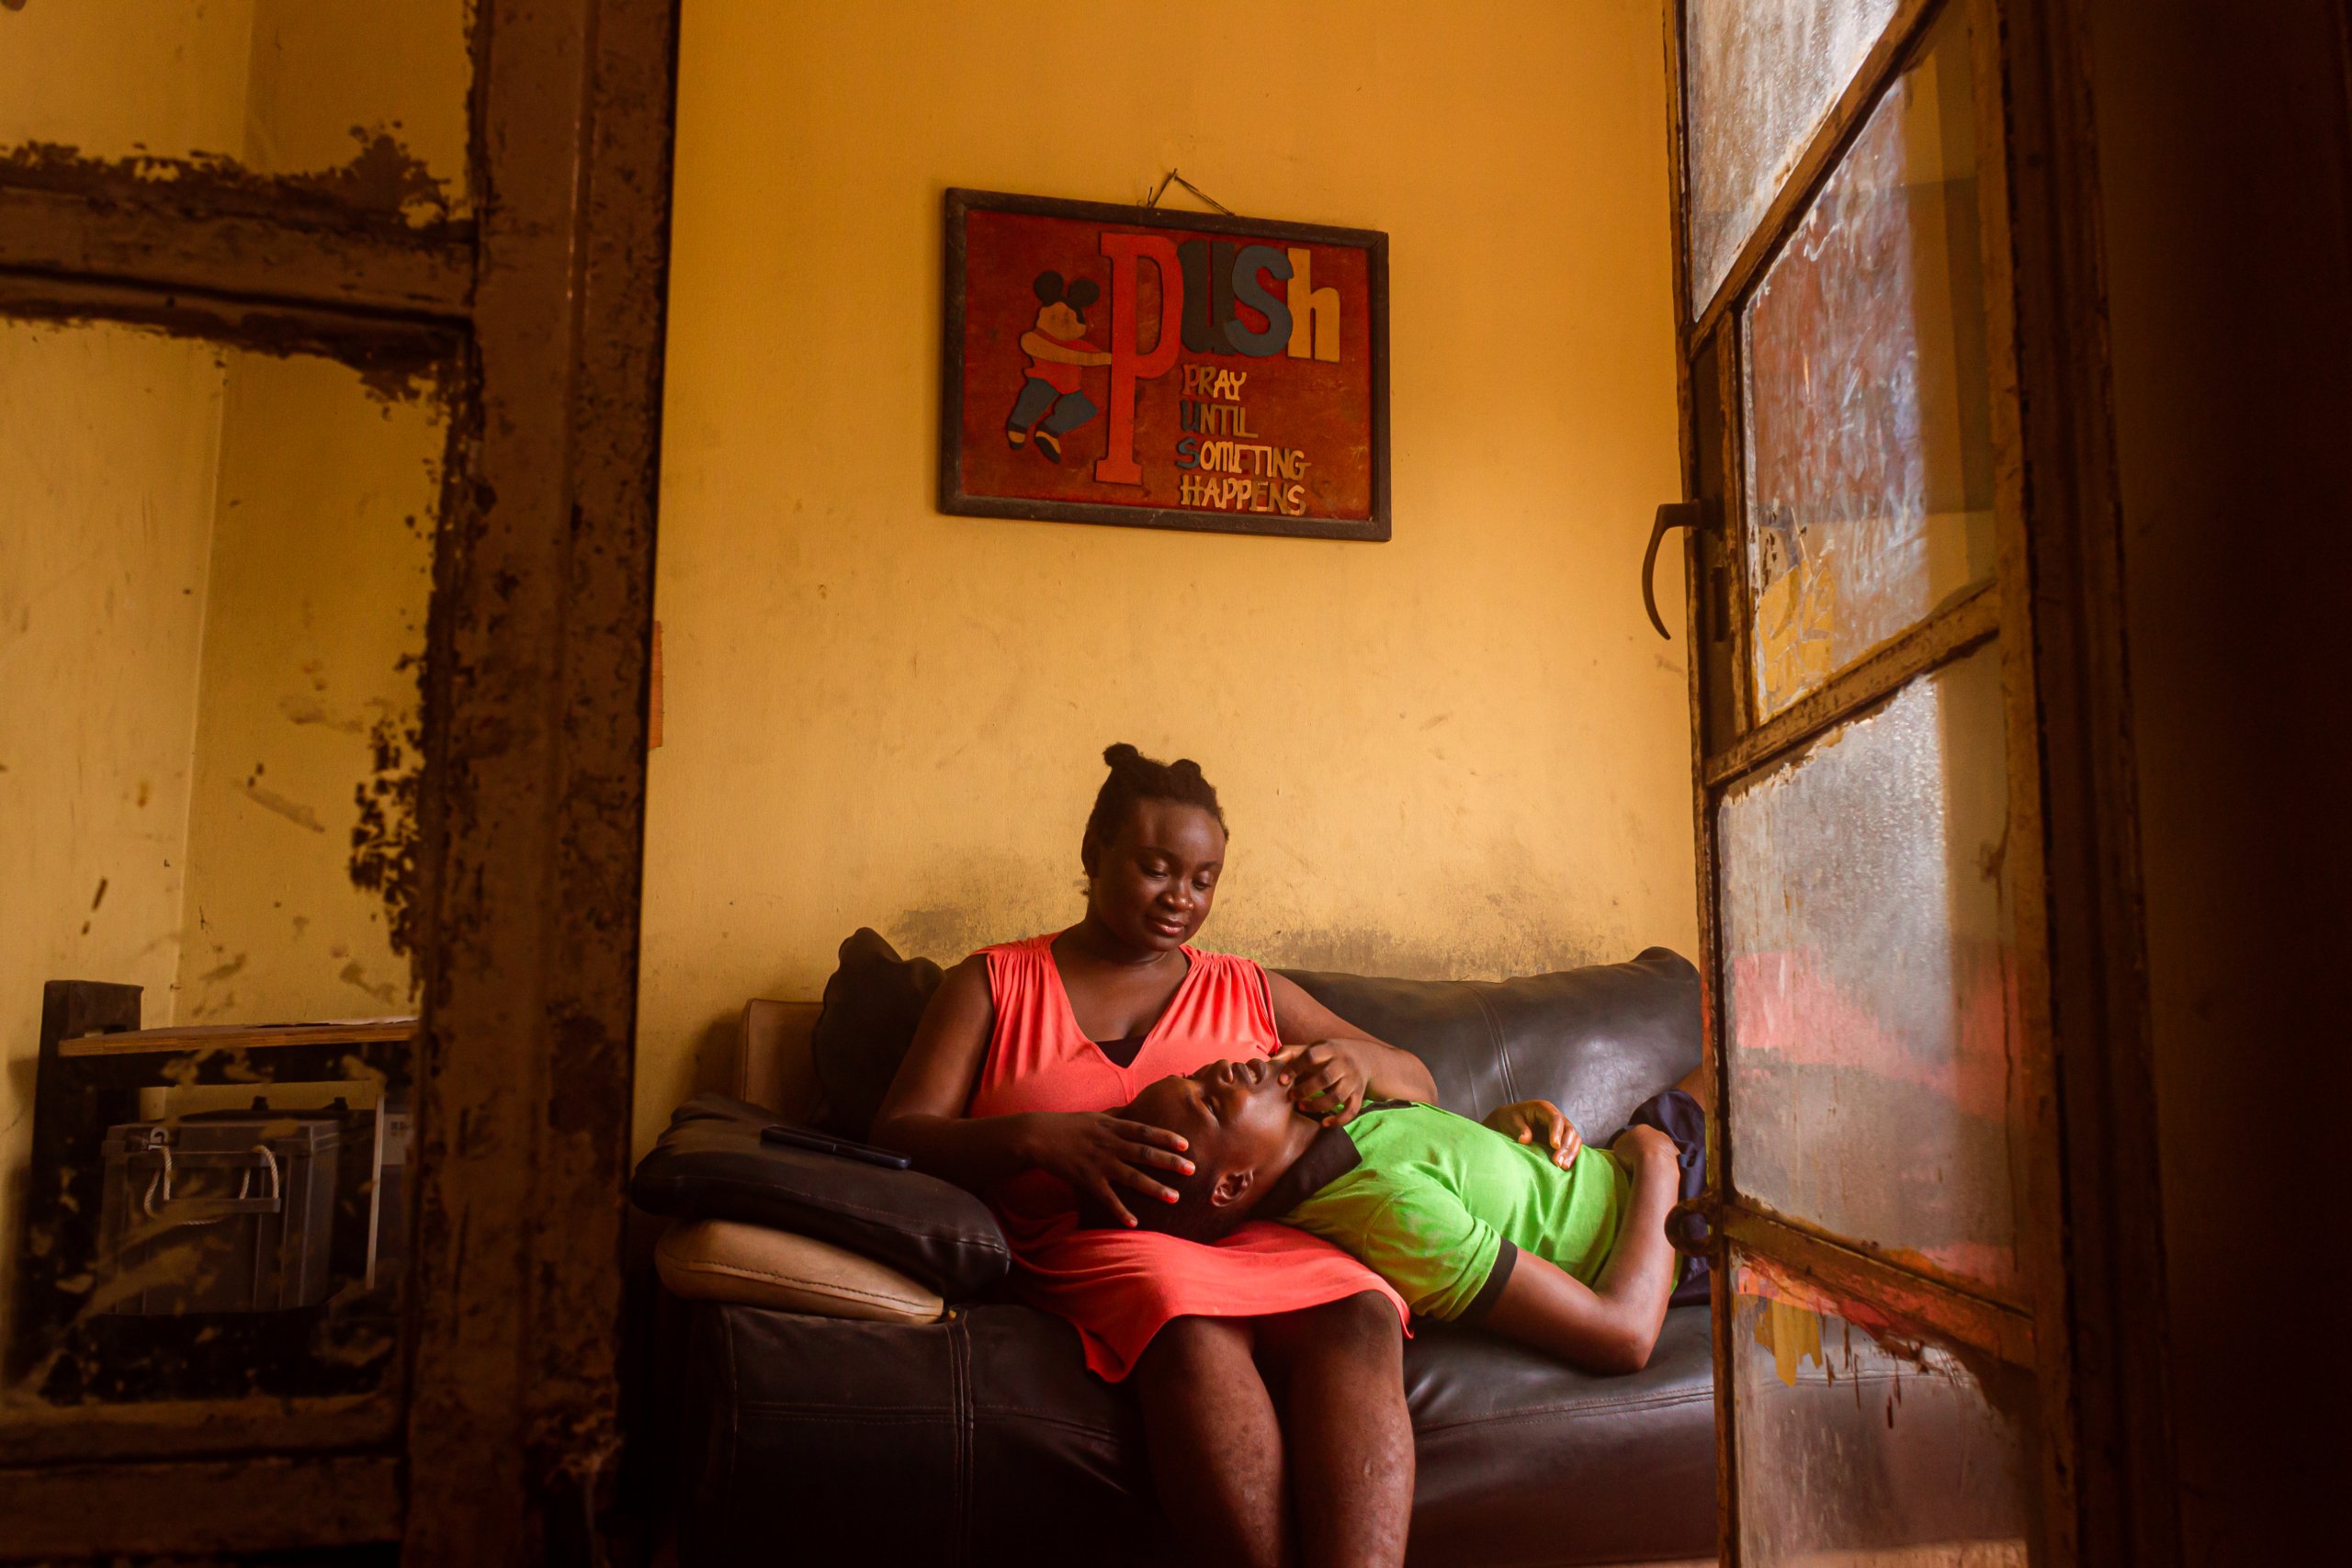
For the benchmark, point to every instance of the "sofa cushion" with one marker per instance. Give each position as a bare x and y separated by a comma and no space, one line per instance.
984,1439
872,1003
1595,1042
722,1260
709,1164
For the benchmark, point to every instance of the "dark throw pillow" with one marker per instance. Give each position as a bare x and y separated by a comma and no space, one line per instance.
710,1165
872,1005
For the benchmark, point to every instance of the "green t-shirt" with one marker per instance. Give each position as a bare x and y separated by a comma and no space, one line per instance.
1433,1197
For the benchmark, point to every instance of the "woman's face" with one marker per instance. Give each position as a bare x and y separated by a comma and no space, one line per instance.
1152,885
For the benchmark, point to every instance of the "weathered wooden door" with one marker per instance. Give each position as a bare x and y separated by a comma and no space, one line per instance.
329,390
1935,1300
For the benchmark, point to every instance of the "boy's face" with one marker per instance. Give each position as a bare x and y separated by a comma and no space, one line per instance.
1237,1118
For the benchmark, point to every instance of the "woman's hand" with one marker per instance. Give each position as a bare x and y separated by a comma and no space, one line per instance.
1539,1120
1098,1153
1328,1078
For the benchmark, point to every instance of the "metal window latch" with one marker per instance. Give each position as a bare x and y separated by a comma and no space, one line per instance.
1694,1228
1673,515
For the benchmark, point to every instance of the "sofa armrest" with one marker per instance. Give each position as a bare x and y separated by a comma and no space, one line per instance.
774,1066
709,1164
720,1260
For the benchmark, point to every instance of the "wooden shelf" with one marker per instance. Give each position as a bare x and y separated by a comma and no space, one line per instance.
235,1037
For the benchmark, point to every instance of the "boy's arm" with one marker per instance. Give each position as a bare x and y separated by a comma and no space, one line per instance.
1611,1327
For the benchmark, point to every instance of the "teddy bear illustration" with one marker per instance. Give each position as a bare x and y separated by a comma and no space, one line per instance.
1050,404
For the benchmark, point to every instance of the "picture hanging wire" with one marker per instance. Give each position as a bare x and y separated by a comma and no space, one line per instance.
1153,199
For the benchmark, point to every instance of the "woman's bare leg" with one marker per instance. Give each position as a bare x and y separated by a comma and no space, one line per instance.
1216,1448
1338,1373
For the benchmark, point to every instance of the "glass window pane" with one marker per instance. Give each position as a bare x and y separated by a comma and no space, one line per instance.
374,91
1858,1444
1866,931
1761,80
214,581
1870,459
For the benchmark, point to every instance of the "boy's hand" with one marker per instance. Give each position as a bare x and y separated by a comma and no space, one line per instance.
1539,1120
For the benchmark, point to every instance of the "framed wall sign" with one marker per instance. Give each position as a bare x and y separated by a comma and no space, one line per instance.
1108,364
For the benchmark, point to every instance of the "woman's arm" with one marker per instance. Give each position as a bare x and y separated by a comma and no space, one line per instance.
1611,1327
1339,1067
923,1113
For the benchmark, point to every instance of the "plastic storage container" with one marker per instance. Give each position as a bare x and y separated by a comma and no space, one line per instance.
219,1212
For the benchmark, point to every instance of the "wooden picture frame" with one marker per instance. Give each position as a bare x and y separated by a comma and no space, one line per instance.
1180,440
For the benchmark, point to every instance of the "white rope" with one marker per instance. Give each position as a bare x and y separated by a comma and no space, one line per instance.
159,1141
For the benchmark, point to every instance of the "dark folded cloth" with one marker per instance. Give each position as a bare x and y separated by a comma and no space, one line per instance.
1679,1117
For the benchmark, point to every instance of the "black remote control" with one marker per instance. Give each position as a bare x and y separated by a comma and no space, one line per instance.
826,1143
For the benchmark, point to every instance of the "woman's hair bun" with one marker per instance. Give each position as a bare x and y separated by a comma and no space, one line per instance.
1135,777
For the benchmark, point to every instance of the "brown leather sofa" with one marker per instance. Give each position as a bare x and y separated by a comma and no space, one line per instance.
980,1438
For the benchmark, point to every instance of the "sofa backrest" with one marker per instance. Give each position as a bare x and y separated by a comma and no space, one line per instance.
1595,1042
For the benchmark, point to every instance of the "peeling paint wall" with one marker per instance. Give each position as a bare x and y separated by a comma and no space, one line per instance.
214,569
320,569
1460,753
102,604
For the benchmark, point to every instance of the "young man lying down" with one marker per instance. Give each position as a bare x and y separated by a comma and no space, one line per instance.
1509,1224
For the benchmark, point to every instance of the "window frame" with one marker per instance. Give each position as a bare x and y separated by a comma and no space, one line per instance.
2094,1331
500,1436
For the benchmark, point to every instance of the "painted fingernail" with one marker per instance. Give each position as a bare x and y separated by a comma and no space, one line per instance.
1168,1197
1187,1166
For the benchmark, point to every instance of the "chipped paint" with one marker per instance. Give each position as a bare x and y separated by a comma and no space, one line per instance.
293,811
385,840
381,183
530,834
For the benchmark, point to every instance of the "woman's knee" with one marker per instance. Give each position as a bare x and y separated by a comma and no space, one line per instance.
1186,1349
1360,1328
1366,1319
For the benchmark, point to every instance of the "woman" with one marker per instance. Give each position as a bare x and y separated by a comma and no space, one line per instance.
1007,1090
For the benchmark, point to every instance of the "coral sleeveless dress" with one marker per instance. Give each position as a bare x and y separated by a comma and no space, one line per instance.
1119,1286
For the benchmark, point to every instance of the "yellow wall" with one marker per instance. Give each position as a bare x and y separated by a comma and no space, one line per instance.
119,77
320,568
279,86
1460,753
109,442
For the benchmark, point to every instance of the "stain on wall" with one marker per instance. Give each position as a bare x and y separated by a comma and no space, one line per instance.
1463,752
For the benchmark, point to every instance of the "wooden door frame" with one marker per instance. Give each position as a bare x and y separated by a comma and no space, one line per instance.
2097,1272
532,815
